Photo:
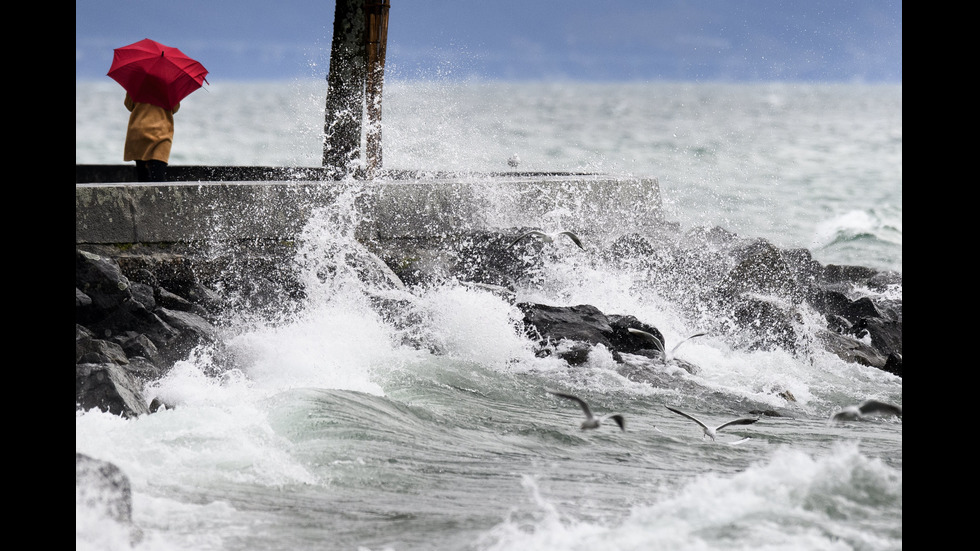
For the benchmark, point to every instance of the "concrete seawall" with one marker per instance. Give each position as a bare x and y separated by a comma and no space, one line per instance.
379,210
424,228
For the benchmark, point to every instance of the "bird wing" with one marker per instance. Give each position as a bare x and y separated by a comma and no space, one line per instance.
573,237
650,337
689,416
619,421
742,421
869,407
678,345
581,402
528,234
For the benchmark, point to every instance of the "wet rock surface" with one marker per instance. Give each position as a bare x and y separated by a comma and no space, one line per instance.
105,490
138,310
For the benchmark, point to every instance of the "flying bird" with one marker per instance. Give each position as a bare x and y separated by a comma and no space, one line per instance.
659,345
549,237
712,432
866,408
591,421
513,161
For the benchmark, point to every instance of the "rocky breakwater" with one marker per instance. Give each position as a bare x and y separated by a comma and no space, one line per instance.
140,311
755,295
131,328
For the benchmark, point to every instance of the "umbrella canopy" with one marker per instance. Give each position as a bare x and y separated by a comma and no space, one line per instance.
157,74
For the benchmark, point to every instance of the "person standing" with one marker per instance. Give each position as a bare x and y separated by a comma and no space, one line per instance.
149,136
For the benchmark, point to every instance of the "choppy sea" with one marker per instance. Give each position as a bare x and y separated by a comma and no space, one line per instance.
334,435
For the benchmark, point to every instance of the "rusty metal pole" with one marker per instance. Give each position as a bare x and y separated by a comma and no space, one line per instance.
376,22
345,89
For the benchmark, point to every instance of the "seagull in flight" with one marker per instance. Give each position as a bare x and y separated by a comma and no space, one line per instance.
549,237
591,422
865,409
712,432
659,345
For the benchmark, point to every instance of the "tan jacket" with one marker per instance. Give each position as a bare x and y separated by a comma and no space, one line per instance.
150,132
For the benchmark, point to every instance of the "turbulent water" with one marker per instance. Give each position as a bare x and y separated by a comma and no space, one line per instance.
334,435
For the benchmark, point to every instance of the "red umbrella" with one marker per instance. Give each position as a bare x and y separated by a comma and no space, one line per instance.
157,74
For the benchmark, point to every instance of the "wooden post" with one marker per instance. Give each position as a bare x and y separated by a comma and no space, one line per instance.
345,89
376,12
357,60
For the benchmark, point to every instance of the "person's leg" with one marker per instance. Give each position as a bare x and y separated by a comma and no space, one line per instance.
142,172
157,171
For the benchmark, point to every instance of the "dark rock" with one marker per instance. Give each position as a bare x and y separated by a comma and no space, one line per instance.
837,323
257,294
103,487
882,281
552,324
174,279
189,322
760,294
850,349
479,256
157,404
81,331
203,296
137,345
767,322
762,270
893,364
569,332
833,273
144,276
143,369
487,257
166,299
101,280
133,316
143,294
574,353
191,330
863,307
171,271
632,245
623,342
656,373
886,335
716,236
802,264
831,302
890,309
81,299
572,332
89,350
108,387
122,340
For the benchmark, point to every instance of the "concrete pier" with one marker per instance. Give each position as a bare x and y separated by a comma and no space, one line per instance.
379,210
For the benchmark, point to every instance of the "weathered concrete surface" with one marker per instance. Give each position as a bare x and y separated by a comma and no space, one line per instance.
381,210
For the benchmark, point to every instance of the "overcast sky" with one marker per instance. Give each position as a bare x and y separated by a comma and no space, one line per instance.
595,40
